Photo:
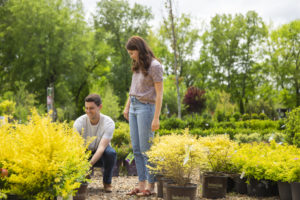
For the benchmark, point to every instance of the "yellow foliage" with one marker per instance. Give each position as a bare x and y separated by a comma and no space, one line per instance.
176,156
219,151
44,159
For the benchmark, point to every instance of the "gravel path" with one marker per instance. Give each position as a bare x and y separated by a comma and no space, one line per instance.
123,184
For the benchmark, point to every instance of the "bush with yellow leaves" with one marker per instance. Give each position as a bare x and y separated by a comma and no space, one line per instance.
219,151
176,156
44,159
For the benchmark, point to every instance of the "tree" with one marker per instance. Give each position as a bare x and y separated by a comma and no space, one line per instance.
179,33
43,43
231,50
121,21
284,55
194,99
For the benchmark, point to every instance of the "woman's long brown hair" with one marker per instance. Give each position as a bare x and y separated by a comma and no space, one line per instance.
145,54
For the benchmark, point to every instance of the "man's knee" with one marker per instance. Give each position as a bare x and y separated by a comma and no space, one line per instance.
110,153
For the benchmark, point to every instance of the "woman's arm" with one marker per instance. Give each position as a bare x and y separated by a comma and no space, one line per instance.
126,109
158,103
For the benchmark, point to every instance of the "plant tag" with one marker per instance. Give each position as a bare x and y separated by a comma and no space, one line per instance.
129,158
242,175
187,154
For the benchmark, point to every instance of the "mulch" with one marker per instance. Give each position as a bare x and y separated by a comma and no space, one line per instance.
124,184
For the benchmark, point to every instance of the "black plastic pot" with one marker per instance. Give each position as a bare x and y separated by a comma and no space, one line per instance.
13,197
159,186
230,184
214,185
295,187
285,192
131,168
262,188
82,192
165,182
240,185
116,169
186,192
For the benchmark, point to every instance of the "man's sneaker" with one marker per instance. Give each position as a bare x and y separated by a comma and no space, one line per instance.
107,187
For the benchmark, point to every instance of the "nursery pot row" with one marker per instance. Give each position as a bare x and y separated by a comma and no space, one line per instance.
289,191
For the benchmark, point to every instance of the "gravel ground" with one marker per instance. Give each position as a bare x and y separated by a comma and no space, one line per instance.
123,184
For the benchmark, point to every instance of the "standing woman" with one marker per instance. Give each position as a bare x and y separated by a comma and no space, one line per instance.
143,108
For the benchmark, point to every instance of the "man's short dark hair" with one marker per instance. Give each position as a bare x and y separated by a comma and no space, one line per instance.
94,98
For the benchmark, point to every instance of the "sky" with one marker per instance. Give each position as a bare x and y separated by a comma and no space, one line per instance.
277,11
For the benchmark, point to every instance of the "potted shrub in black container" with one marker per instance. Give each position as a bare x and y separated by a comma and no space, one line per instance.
178,157
219,150
255,161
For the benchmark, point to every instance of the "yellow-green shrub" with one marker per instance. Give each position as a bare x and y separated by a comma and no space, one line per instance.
219,151
44,159
176,156
268,161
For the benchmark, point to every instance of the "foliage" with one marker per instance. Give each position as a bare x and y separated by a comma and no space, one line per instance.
194,100
110,103
245,117
268,161
197,121
172,123
219,150
284,60
224,107
7,107
121,140
293,127
231,49
120,20
44,159
176,156
263,116
169,106
39,46
237,116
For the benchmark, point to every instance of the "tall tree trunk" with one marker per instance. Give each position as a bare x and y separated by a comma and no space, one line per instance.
175,57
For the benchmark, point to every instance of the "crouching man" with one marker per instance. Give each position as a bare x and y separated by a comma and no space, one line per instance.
96,124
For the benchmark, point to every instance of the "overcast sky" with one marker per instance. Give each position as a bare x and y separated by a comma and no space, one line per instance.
277,11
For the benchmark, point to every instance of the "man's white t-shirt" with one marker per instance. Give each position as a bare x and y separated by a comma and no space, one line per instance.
105,128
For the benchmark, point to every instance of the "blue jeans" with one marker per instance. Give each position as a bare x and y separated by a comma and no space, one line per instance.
140,120
107,161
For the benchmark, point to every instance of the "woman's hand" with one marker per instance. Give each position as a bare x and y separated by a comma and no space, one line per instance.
125,113
155,125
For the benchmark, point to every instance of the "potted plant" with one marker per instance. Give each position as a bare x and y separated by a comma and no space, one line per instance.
44,159
177,157
219,150
254,163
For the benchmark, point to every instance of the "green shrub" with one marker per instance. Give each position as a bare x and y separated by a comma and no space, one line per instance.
7,107
293,127
263,116
199,132
245,117
121,140
226,125
254,116
220,116
237,116
257,124
163,132
172,123
244,138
